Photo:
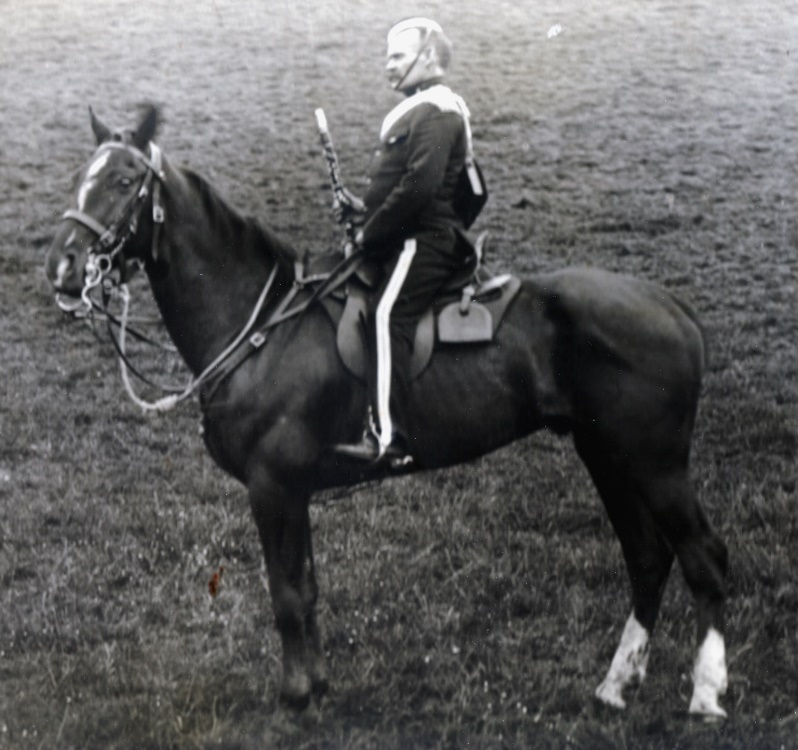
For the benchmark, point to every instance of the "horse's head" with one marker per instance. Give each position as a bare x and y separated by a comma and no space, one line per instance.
110,191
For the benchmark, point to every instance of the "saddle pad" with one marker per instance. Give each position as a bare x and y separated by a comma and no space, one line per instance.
349,317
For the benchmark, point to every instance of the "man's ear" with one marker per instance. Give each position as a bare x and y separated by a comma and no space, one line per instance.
430,55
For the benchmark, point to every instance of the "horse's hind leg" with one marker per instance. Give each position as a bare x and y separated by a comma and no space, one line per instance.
655,513
648,560
703,559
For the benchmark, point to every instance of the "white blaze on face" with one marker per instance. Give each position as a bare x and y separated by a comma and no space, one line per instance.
628,665
91,178
710,678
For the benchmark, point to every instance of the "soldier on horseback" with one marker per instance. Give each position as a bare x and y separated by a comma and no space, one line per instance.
408,220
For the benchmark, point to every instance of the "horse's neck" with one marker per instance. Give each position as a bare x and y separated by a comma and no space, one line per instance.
211,269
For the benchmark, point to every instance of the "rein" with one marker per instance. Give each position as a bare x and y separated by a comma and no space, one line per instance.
169,402
106,252
245,343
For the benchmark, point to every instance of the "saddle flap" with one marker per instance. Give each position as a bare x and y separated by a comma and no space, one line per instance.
475,324
483,315
351,335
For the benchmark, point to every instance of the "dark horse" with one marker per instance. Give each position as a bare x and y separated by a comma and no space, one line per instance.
617,362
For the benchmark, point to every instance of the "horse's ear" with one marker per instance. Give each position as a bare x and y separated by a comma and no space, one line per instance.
147,128
101,132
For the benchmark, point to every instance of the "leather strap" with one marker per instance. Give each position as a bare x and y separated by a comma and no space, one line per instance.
86,220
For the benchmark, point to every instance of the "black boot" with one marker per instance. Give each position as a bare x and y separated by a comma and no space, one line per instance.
370,450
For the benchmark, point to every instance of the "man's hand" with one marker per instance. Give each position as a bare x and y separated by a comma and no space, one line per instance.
347,207
354,245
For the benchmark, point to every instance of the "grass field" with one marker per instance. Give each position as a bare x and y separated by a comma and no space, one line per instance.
477,607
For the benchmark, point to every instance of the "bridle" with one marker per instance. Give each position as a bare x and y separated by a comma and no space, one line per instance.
104,255
105,252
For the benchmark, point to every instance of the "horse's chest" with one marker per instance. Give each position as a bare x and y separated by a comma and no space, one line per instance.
226,445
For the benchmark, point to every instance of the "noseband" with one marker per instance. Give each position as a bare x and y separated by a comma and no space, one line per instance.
113,238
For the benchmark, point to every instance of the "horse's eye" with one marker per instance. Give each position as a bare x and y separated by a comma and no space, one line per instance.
125,182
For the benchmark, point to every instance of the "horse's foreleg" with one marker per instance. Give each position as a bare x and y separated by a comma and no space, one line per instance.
317,664
284,526
648,560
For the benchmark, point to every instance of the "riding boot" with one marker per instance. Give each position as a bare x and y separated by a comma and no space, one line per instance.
384,437
411,281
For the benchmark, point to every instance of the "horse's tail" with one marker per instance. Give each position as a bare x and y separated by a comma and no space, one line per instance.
690,312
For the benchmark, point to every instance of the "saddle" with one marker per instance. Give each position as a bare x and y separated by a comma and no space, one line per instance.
468,310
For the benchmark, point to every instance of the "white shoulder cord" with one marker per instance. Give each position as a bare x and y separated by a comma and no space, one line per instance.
473,176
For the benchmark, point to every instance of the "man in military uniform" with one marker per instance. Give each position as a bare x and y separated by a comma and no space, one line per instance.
409,221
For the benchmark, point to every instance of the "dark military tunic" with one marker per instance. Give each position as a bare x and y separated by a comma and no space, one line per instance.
415,169
412,181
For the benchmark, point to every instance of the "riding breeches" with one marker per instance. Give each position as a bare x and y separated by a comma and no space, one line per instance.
413,277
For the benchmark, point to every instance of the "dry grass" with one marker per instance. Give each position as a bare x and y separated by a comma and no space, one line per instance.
477,607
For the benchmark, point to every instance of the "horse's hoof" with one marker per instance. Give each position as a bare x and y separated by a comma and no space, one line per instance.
609,693
295,702
704,704
320,688
289,723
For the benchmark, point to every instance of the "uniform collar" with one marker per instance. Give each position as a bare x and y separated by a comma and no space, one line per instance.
424,85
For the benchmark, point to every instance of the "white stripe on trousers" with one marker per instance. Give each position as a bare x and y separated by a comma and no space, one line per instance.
383,321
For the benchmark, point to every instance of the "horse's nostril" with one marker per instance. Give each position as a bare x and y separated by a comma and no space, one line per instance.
64,268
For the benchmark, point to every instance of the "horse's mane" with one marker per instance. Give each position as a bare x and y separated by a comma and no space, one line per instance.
250,231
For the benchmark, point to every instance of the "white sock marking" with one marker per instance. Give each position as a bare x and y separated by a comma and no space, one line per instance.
628,664
710,678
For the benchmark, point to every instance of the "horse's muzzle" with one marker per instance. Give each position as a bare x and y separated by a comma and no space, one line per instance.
65,271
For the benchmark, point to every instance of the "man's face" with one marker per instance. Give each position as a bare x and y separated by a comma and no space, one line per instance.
402,51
